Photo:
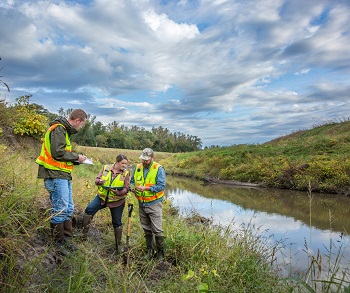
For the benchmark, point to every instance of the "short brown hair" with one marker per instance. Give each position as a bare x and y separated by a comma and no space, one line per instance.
78,113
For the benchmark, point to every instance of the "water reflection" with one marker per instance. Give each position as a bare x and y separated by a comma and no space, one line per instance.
283,216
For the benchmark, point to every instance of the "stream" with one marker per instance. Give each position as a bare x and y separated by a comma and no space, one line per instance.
301,225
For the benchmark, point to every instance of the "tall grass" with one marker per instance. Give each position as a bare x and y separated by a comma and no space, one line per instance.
199,258
19,218
325,272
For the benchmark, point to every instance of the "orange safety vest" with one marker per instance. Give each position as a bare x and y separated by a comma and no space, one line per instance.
150,180
45,159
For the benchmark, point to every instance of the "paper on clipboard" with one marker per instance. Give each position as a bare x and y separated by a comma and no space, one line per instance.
87,161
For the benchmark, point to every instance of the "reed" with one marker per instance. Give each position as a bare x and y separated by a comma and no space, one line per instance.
325,272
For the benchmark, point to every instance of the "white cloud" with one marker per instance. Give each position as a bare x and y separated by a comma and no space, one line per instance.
208,63
303,71
168,30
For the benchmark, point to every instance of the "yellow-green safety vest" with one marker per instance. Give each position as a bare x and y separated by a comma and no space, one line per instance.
45,158
118,181
150,180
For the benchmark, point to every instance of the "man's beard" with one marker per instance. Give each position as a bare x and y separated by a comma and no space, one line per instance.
146,165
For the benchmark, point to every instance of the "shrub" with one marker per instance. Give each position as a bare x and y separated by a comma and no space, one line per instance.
28,122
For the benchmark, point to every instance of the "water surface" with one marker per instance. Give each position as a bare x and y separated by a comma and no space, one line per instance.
301,224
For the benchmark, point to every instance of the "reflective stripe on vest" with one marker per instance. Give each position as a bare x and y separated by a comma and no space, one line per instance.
45,159
118,181
150,180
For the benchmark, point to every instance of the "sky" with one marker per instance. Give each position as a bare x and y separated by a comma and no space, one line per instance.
227,71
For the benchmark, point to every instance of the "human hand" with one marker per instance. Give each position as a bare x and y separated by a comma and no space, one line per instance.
141,188
81,158
100,182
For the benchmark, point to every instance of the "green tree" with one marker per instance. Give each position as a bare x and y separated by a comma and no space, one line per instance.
85,135
161,139
115,138
41,110
134,137
98,128
6,114
65,113
99,131
101,140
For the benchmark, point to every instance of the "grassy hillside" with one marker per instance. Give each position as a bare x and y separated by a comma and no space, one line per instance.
317,158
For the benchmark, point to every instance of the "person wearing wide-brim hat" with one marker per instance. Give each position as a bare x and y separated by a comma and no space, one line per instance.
149,180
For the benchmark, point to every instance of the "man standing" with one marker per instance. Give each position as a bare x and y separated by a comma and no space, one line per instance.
56,162
149,180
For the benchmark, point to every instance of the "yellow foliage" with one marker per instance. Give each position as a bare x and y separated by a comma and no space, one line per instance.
29,121
3,148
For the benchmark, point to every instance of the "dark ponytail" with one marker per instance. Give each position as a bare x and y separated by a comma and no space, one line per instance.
121,157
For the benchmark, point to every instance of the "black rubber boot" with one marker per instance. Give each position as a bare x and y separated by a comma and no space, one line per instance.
86,225
160,247
118,232
150,247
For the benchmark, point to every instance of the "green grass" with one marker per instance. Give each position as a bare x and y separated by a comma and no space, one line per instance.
197,256
200,258
319,156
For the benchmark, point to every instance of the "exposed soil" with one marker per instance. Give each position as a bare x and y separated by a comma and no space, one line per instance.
213,180
39,248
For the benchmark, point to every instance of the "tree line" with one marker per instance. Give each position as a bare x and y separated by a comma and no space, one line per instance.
33,119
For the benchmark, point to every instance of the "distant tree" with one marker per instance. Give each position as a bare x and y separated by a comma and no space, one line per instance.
6,115
101,141
98,128
115,138
142,139
114,135
211,147
65,113
85,135
161,139
42,111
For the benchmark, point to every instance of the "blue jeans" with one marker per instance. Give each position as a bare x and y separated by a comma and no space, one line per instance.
61,199
116,213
